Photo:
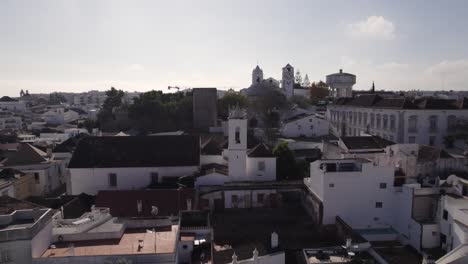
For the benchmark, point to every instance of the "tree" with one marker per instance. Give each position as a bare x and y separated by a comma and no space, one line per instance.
306,82
285,161
298,77
300,101
56,98
155,111
269,105
318,91
106,117
230,99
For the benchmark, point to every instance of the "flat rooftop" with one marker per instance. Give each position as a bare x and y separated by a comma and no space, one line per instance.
161,242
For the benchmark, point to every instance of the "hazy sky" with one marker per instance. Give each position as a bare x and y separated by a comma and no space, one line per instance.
81,45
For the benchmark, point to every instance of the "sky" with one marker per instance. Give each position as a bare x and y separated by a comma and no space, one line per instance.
76,46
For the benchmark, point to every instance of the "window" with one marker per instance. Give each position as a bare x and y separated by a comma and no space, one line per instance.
5,256
354,118
378,121
391,138
432,140
372,120
237,136
451,123
378,205
112,180
411,140
360,118
350,117
465,190
261,165
433,123
383,185
154,177
445,215
234,198
331,185
365,119
36,177
260,197
443,238
392,122
385,121
413,124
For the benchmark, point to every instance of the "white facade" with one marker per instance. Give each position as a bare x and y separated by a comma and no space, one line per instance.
307,126
356,190
92,180
420,126
15,106
9,121
48,176
341,84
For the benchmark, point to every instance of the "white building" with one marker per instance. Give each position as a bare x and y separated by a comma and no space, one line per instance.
357,190
133,162
402,120
287,80
341,84
10,104
305,125
26,230
48,174
9,121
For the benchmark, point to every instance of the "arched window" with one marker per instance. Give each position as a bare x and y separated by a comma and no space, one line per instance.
413,124
433,123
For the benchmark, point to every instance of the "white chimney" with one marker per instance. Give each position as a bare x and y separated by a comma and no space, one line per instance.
234,258
139,206
189,204
274,240
348,243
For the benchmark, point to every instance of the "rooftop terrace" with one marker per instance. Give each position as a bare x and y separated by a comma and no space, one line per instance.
133,241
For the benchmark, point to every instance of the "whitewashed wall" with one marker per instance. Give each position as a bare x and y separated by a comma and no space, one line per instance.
91,180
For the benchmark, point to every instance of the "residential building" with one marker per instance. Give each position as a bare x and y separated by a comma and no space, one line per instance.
48,175
10,121
367,147
10,104
368,189
97,237
132,162
402,120
22,183
26,230
305,125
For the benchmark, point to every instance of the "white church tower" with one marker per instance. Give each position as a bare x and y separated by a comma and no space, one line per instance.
257,75
237,140
287,82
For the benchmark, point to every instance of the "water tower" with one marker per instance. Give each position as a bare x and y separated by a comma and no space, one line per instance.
341,84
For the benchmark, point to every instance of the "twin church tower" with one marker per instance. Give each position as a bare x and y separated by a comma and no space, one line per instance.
287,80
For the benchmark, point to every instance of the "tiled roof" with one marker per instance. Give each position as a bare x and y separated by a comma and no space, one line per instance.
69,145
261,150
366,142
429,153
124,203
7,99
8,205
25,155
376,101
136,151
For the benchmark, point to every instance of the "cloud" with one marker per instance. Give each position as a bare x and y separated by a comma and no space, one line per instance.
374,27
393,66
449,67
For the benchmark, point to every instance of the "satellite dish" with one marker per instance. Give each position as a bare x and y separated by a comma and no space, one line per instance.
154,210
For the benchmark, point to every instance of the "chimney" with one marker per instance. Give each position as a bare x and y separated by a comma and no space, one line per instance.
139,206
255,255
234,258
49,152
189,204
274,240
